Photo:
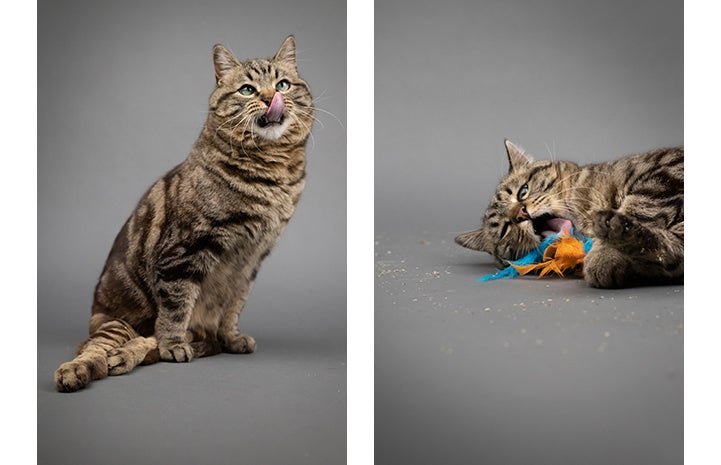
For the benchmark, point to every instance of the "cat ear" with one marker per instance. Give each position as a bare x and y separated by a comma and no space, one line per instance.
286,53
223,61
516,156
472,240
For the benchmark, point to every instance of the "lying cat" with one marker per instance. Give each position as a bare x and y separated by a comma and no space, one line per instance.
631,207
181,268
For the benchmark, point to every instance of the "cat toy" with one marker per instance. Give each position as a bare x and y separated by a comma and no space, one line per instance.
557,253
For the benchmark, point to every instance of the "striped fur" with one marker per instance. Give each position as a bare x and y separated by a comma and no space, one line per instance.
182,266
631,207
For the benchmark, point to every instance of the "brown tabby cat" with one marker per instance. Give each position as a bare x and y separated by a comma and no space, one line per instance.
181,268
631,207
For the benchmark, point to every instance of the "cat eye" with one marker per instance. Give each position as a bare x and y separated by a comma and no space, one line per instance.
246,90
523,192
282,86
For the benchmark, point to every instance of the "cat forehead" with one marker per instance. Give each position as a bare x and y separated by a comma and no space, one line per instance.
261,68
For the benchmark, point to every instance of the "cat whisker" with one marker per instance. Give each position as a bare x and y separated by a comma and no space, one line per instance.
300,122
333,115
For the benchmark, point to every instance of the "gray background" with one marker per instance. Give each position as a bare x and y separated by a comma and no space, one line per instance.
520,371
122,92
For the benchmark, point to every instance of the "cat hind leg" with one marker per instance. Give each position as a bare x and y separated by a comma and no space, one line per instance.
91,362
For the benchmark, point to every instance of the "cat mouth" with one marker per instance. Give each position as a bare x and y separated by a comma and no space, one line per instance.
275,114
547,224
265,122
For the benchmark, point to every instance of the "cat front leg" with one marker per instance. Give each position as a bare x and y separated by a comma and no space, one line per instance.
231,339
177,300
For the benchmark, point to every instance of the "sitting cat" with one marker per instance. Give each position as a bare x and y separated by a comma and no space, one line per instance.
181,268
631,207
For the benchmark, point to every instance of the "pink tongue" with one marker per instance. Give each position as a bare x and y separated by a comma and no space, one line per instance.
560,225
275,109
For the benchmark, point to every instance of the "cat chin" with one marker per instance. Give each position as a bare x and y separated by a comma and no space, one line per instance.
272,131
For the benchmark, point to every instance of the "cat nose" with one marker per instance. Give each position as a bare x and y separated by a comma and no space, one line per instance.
266,96
520,213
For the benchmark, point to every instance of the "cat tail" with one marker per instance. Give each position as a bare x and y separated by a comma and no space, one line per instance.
113,348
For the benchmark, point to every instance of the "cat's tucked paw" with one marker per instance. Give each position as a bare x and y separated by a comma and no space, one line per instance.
181,352
602,269
120,361
621,231
241,344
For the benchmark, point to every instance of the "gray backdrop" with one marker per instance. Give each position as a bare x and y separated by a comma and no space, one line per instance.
122,95
584,80
517,371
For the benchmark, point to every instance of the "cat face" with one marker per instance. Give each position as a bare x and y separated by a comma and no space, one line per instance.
528,206
261,101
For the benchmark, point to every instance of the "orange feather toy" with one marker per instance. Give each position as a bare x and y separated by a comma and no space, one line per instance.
558,253
561,256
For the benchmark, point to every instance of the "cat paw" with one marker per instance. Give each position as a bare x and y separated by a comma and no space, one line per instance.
120,361
240,344
602,269
621,231
175,352
72,376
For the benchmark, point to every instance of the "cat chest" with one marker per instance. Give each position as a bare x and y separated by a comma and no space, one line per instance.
226,287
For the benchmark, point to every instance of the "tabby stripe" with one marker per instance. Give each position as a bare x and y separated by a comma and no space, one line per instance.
670,182
656,194
535,170
236,218
223,97
169,303
193,261
203,244
674,162
675,203
262,257
238,187
255,67
238,172
548,186
141,285
178,317
297,181
679,216
114,333
649,217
